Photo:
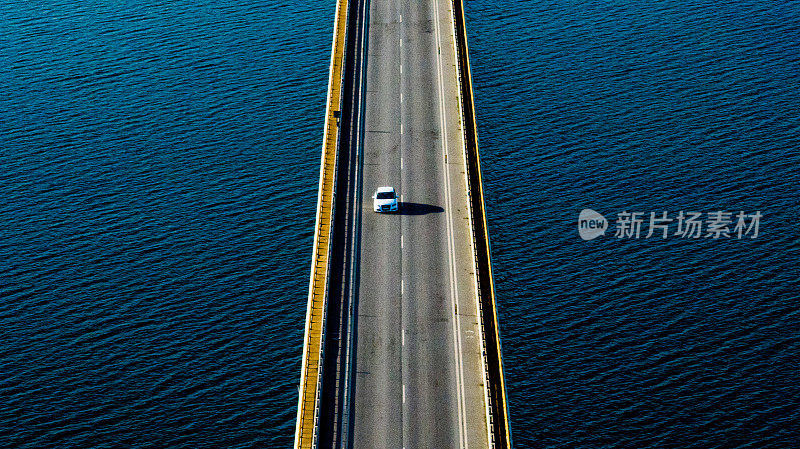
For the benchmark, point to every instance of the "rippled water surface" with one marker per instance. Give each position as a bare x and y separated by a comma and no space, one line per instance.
158,169
643,106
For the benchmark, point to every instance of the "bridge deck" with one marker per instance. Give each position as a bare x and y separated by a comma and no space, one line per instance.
410,355
419,374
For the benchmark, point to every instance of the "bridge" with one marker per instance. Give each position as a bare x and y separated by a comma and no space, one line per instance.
402,346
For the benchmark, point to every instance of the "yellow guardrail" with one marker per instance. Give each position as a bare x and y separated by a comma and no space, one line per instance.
500,427
313,346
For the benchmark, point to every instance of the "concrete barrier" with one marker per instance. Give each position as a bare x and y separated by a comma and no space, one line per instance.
313,346
500,428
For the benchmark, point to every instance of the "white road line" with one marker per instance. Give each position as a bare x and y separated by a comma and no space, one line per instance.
401,128
401,69
457,346
401,41
403,337
487,410
401,241
358,177
402,287
401,18
401,97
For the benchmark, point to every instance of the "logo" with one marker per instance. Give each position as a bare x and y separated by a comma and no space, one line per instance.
686,225
591,224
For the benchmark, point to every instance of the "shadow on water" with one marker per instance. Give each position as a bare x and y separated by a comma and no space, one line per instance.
418,209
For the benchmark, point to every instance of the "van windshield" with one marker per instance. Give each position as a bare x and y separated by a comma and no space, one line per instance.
385,195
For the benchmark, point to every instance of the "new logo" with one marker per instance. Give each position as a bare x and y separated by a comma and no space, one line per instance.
591,224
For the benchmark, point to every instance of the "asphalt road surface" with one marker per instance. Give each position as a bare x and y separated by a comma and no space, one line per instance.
417,366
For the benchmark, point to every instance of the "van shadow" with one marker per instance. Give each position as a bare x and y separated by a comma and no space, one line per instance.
418,209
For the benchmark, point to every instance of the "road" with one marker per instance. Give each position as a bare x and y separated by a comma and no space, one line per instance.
417,366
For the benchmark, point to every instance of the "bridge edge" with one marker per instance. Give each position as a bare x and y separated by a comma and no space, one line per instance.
311,365
501,428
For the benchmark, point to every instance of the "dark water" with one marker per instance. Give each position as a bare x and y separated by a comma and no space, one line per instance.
643,106
158,168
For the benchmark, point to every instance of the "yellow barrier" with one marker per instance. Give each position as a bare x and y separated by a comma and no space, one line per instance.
311,372
500,426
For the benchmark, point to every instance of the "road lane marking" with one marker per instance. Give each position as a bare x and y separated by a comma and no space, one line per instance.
402,287
358,128
401,68
401,237
404,393
457,345
403,337
401,128
401,41
460,127
401,97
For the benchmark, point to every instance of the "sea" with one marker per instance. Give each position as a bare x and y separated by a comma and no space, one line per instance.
158,177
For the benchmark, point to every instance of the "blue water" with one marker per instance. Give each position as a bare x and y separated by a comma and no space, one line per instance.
643,106
158,169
